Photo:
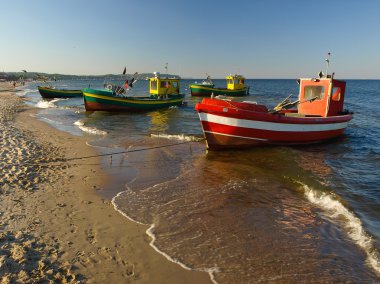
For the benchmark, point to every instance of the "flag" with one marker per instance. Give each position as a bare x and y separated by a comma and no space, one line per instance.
126,84
328,59
133,80
125,70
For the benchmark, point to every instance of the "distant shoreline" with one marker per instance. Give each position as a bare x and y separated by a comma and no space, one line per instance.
15,76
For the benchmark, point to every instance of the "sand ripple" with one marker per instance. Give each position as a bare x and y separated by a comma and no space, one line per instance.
25,259
25,165
24,162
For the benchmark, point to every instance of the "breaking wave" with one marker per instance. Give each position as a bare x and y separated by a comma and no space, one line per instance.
87,129
352,224
48,104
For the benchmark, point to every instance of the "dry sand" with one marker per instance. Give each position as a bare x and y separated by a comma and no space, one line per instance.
53,225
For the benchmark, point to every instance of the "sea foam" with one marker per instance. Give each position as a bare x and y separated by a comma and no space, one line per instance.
48,104
90,130
352,224
150,232
181,137
23,92
210,271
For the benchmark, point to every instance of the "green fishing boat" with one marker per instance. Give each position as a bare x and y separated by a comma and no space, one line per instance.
235,88
205,83
163,93
51,92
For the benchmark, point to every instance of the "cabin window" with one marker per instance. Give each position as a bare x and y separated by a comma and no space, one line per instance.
241,81
335,95
311,92
230,81
153,85
175,84
165,84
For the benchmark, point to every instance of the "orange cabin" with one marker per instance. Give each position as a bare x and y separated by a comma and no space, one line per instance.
328,94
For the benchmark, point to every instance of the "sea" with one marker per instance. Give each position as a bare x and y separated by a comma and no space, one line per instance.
270,214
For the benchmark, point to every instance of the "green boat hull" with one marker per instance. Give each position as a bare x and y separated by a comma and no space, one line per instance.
50,93
202,91
106,100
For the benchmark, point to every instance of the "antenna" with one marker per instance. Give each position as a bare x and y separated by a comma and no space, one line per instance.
166,68
327,63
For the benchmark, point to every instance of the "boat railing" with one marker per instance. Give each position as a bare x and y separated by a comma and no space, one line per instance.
117,90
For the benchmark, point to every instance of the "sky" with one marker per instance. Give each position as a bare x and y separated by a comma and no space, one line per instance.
255,38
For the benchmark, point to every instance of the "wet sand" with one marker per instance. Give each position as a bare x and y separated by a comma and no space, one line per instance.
236,218
54,226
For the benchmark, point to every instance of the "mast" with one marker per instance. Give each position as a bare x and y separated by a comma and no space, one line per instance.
327,63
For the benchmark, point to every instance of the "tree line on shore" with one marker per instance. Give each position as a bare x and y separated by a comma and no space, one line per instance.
15,76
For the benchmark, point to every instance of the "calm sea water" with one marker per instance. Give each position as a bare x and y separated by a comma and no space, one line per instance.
282,214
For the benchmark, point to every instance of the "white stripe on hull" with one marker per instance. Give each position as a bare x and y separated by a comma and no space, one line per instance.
236,136
271,126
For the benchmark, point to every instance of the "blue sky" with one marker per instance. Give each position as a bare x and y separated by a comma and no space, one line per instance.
259,39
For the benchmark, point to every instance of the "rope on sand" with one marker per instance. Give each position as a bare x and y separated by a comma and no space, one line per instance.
109,154
124,152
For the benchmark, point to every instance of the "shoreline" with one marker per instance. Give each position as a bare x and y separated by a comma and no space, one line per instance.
79,235
159,191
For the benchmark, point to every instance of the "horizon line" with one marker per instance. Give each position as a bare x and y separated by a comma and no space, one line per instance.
185,77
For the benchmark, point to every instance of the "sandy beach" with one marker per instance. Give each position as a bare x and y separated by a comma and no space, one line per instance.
54,227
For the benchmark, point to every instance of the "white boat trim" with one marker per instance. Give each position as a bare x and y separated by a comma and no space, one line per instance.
271,126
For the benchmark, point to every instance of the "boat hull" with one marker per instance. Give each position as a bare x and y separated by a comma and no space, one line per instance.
105,100
205,91
50,93
234,128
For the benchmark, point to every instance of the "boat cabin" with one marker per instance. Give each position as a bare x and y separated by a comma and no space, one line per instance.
321,96
163,86
235,82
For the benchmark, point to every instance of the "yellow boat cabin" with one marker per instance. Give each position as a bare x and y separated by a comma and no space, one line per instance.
235,82
235,88
163,86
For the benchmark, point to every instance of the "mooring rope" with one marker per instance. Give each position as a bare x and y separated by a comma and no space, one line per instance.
63,160
40,163
109,154
124,152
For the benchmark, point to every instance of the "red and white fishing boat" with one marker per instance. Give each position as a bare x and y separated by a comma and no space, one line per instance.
316,116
